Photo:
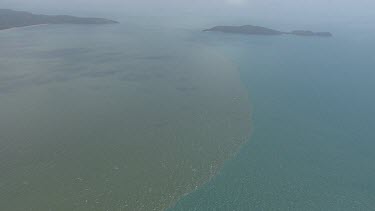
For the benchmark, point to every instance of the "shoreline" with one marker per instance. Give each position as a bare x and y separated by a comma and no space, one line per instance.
22,27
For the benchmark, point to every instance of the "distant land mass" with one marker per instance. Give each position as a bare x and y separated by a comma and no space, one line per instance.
258,30
12,19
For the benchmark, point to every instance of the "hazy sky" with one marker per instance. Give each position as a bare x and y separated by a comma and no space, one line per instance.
294,9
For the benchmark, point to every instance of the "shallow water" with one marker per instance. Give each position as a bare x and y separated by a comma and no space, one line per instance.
121,117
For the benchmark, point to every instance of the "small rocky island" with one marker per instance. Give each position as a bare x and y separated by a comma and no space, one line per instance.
258,30
12,19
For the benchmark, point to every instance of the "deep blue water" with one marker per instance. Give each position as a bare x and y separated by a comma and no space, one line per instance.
313,123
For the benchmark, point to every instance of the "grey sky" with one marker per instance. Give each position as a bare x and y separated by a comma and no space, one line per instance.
301,9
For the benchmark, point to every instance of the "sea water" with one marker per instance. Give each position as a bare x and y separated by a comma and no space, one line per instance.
313,122
119,117
150,113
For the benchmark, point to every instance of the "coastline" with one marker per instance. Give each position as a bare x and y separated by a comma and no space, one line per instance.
23,27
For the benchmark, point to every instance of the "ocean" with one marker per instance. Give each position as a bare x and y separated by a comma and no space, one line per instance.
119,117
154,114
313,121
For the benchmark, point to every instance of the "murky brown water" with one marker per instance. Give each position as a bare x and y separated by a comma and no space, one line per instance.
113,118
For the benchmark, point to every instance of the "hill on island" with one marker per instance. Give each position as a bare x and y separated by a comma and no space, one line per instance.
11,19
258,30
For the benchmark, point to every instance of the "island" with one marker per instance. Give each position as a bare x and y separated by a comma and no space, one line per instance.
12,19
258,30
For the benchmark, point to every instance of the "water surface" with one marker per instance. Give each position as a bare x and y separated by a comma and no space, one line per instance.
313,123
121,117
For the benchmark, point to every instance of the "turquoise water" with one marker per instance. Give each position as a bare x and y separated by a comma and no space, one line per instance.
313,123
